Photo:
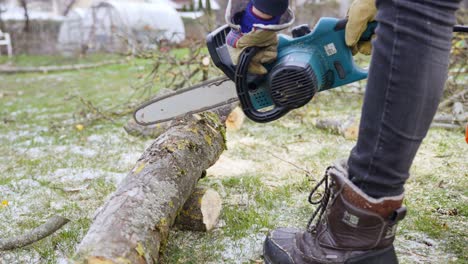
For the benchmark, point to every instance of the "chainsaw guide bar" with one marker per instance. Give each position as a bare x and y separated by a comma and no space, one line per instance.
194,99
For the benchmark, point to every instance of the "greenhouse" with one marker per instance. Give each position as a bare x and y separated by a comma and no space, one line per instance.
111,26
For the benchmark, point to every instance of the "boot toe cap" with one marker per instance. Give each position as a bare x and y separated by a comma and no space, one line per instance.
279,244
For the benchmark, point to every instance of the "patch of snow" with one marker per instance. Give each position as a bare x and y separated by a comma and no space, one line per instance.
243,250
24,184
128,159
418,248
19,257
77,150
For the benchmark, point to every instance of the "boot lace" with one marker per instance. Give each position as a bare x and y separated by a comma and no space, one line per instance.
322,202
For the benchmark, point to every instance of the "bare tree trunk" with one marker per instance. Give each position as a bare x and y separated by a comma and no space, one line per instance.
24,5
2,10
134,222
69,7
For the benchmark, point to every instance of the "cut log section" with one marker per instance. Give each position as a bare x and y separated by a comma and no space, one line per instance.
348,128
134,222
200,212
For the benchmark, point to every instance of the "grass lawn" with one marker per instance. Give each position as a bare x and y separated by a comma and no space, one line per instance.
56,162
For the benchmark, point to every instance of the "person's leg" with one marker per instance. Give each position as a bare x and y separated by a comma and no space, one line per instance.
407,74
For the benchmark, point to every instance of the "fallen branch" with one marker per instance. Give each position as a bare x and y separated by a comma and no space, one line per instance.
54,68
135,220
452,99
38,233
446,126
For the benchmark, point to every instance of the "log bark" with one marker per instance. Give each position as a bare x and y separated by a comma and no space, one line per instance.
152,131
133,224
201,211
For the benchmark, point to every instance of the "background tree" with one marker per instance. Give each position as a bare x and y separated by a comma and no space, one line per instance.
69,6
24,5
2,10
200,5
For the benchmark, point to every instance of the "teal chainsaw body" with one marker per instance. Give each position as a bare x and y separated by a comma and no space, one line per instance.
308,62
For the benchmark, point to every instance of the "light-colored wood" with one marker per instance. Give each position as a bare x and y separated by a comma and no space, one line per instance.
201,211
235,119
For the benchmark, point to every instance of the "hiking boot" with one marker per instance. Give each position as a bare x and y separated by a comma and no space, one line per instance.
355,228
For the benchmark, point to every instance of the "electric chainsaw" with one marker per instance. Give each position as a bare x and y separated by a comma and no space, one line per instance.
308,62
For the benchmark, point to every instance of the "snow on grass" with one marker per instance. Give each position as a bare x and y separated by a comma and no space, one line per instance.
244,250
71,176
419,248
264,178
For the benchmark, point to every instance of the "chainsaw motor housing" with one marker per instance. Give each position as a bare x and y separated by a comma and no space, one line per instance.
308,62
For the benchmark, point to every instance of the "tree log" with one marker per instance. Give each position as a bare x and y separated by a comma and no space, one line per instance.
200,212
348,128
133,224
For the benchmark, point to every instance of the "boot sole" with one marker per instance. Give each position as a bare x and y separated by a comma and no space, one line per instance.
385,256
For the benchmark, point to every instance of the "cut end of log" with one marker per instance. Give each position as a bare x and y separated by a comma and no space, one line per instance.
201,211
211,208
235,119
352,131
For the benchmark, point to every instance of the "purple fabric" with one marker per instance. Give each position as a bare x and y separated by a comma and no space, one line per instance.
249,18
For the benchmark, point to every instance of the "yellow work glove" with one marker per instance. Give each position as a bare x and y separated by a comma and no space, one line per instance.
360,14
266,40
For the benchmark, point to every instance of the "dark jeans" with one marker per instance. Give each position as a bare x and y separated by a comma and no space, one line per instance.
406,77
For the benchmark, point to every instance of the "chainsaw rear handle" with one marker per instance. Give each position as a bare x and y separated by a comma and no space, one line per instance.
366,35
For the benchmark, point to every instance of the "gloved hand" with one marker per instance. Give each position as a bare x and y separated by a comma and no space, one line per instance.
268,42
249,30
360,14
